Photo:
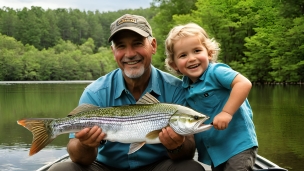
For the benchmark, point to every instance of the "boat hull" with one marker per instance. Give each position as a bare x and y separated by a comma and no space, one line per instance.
261,164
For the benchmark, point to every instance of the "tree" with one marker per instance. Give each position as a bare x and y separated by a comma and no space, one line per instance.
163,22
8,21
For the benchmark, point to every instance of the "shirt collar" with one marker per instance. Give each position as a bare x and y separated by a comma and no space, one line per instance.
120,84
187,81
154,81
153,85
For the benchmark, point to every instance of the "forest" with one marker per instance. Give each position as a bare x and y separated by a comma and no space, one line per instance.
261,39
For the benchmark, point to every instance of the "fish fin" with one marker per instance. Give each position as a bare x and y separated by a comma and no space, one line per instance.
135,146
153,134
83,108
147,99
42,134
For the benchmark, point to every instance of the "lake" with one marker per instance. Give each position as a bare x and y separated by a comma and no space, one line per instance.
278,116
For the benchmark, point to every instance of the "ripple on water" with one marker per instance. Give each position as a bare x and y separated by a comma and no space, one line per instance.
17,158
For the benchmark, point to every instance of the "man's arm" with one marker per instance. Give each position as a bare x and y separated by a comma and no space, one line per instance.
178,146
83,148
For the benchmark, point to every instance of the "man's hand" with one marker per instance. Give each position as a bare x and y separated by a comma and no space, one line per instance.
83,148
170,139
90,137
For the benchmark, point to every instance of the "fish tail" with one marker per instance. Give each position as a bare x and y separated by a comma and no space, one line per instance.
41,130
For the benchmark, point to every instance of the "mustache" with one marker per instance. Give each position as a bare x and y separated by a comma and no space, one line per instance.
132,58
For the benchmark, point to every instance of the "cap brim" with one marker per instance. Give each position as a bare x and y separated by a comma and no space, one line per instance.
137,30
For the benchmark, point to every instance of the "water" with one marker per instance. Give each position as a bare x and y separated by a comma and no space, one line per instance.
278,116
19,101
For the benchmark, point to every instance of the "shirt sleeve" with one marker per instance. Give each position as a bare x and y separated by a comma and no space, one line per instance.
87,97
179,96
224,74
90,97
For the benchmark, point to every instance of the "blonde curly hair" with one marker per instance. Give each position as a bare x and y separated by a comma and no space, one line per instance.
182,31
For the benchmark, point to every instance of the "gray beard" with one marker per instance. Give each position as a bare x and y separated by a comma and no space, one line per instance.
135,73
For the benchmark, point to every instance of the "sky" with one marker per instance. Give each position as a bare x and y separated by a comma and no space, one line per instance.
88,5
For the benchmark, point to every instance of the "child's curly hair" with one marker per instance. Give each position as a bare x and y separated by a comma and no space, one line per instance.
182,31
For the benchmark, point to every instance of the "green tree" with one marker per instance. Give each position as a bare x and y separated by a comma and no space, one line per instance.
8,21
29,26
50,31
64,23
106,60
163,22
30,63
10,58
49,65
95,29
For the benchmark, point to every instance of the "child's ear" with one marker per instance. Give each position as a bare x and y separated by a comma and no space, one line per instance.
210,54
173,65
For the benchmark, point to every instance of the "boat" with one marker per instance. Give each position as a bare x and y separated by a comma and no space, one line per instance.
261,164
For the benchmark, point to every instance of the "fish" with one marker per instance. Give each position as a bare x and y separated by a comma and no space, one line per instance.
137,124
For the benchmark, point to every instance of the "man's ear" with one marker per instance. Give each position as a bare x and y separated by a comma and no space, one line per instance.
113,48
154,45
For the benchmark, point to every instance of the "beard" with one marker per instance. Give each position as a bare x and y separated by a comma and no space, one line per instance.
135,72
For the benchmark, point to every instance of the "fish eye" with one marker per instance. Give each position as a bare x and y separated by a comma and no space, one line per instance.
196,117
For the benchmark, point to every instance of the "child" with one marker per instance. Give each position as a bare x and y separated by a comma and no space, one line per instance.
218,91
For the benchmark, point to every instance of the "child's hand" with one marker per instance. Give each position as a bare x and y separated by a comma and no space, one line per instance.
221,120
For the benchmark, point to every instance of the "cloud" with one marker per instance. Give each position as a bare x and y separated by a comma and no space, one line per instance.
88,5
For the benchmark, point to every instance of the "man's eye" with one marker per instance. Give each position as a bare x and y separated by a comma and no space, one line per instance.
138,43
119,46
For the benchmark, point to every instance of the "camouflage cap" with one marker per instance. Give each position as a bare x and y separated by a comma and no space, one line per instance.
134,23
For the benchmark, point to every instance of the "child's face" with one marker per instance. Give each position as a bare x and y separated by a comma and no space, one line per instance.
190,57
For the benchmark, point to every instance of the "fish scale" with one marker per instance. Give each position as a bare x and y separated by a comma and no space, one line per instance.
151,117
137,124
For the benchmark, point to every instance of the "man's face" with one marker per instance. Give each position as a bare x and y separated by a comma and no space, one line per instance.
133,53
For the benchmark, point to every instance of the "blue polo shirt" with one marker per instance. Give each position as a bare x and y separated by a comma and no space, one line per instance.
209,95
110,90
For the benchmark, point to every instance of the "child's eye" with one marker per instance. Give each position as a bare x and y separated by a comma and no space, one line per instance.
182,55
197,51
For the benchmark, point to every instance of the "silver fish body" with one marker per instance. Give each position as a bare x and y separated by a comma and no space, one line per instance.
137,124
125,124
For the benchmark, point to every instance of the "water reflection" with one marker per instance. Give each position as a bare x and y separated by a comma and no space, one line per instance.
19,101
16,157
278,117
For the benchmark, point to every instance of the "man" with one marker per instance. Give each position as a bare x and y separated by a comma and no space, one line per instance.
133,46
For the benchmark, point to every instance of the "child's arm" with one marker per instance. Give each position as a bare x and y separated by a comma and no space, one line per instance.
240,89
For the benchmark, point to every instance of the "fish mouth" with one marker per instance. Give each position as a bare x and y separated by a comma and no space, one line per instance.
203,127
200,126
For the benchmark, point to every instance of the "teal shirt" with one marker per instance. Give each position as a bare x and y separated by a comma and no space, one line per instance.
209,95
110,90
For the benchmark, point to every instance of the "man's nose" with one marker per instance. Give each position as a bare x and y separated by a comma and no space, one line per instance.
130,52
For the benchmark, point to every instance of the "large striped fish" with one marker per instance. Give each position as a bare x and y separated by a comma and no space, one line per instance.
137,124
